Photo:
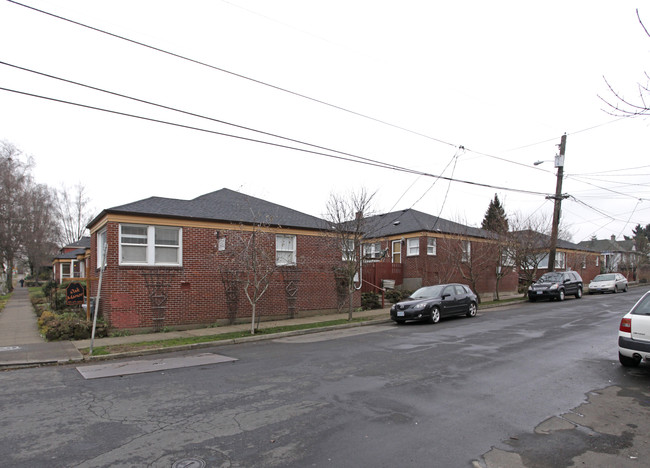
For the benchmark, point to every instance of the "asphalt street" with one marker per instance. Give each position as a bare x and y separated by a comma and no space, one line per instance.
532,385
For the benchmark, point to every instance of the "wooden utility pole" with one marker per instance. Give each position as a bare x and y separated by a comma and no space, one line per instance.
559,163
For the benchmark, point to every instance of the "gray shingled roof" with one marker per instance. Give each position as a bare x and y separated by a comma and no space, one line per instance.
544,240
408,221
224,205
608,245
80,247
71,255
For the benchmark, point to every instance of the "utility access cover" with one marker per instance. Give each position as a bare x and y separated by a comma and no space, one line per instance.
151,365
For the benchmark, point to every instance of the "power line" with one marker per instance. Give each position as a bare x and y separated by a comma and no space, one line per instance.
288,91
113,93
614,170
189,127
223,70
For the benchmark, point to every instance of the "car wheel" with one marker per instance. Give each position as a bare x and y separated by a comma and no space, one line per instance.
472,310
560,296
435,315
628,361
625,288
615,289
579,293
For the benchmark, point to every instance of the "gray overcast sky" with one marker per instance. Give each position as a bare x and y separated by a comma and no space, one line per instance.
502,79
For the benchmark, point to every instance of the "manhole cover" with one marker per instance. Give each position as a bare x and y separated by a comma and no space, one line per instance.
9,348
189,463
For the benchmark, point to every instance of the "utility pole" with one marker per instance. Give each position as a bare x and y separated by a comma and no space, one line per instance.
559,163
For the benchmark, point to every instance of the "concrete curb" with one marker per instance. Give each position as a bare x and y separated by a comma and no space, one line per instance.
232,341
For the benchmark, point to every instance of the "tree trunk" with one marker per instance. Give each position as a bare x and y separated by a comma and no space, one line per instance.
350,305
10,275
253,319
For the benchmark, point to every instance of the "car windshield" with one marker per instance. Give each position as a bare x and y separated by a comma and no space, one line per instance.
550,278
427,292
604,278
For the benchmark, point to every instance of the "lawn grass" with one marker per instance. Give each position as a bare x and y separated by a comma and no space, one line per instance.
163,343
3,300
503,301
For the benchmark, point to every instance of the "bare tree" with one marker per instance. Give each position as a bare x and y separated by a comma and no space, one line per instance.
15,179
40,231
470,256
248,259
620,106
529,244
74,213
346,215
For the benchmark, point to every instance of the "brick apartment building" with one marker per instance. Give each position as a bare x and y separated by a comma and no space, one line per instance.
179,263
171,262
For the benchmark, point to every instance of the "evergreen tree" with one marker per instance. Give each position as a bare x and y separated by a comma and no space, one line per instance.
642,240
495,219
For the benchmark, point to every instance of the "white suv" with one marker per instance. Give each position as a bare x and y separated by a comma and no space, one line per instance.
634,334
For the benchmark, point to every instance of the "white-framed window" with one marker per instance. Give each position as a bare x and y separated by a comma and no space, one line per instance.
150,245
432,247
560,260
466,254
347,250
584,262
285,250
101,248
597,259
412,246
66,270
372,250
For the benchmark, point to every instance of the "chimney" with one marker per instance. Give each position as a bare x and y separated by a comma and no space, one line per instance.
613,237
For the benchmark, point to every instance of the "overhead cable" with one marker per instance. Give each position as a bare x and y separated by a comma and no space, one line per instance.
189,127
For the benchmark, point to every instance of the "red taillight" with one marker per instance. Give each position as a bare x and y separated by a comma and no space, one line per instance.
626,325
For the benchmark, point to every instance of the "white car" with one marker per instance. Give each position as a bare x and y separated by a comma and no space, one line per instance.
634,334
608,282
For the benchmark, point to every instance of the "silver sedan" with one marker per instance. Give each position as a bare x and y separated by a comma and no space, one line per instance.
608,282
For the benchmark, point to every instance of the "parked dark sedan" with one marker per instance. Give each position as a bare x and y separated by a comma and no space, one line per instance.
556,285
432,302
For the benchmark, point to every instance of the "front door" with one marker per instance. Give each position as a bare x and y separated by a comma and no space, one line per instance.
397,251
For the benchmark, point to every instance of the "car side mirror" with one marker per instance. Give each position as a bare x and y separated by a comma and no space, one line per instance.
567,280
445,296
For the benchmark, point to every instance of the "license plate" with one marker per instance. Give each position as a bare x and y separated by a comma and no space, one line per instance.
400,314
539,292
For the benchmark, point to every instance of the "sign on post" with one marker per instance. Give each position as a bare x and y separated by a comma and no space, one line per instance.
74,294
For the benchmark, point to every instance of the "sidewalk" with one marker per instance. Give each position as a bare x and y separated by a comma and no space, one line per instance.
20,343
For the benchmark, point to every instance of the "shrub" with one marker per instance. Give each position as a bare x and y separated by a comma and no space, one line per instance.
370,300
395,295
46,318
68,326
48,287
71,328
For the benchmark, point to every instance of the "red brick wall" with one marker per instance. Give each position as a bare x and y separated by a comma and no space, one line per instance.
584,263
443,267
195,291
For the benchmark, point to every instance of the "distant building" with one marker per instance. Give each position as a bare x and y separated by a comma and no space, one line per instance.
616,255
71,261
